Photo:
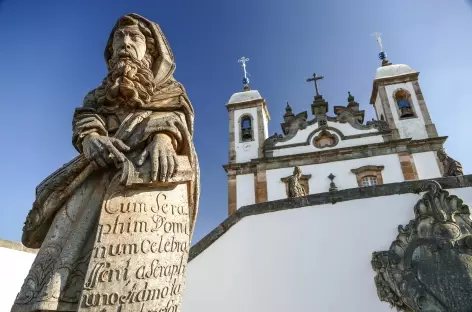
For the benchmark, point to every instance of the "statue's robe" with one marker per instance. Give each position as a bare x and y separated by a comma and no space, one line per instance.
295,188
64,218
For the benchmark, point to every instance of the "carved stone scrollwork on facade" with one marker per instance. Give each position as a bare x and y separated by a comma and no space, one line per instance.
429,265
296,184
380,125
290,129
451,166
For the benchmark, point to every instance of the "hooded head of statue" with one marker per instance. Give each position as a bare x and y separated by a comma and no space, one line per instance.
139,61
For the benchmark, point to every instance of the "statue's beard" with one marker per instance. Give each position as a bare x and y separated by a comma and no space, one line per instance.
129,83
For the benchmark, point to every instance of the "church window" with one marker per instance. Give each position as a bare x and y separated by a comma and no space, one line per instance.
325,139
369,180
404,104
368,175
382,117
246,128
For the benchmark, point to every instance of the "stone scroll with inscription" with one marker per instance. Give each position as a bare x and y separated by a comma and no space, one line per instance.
140,254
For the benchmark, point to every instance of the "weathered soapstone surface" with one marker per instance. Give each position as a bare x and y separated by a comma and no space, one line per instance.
296,185
451,166
141,250
113,226
429,265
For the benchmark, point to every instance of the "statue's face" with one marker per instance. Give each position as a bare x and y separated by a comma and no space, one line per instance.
129,40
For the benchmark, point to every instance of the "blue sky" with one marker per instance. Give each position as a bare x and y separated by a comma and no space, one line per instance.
52,55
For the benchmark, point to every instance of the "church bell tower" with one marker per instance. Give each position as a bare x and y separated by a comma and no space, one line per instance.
248,129
397,99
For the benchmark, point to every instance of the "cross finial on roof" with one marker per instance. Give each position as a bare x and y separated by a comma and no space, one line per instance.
243,61
382,53
315,80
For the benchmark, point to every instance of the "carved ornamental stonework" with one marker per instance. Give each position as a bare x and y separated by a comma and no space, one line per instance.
325,139
451,166
114,225
429,265
296,185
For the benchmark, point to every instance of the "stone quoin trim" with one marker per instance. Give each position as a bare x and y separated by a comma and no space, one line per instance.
260,131
364,171
340,154
232,145
408,166
430,127
231,193
260,183
415,187
388,112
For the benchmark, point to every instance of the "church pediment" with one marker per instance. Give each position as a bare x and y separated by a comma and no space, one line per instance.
325,132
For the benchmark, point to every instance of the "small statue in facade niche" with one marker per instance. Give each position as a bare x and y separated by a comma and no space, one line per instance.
297,183
451,166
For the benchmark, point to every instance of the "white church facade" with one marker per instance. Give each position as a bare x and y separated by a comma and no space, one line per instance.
329,215
310,209
399,146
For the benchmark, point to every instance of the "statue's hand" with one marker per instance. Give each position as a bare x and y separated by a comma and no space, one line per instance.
163,158
103,150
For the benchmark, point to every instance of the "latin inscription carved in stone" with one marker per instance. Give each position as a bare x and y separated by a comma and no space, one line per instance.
140,254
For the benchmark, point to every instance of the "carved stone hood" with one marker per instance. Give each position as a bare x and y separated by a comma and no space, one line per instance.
163,63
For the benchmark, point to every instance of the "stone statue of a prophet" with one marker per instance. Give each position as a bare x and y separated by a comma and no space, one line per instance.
114,225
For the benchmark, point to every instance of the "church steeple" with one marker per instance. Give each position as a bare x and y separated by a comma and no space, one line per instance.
397,99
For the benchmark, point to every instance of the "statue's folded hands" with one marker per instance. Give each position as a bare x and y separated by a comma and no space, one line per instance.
103,150
164,163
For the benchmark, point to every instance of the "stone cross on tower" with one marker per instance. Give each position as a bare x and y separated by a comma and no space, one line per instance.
315,80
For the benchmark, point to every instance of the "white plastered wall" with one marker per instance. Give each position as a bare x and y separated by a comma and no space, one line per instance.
307,259
245,151
427,165
245,190
412,127
14,266
319,182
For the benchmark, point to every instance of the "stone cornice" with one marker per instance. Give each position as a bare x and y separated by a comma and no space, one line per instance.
391,80
339,154
16,246
406,187
249,104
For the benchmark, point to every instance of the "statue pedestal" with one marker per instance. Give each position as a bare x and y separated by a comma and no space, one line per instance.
141,249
